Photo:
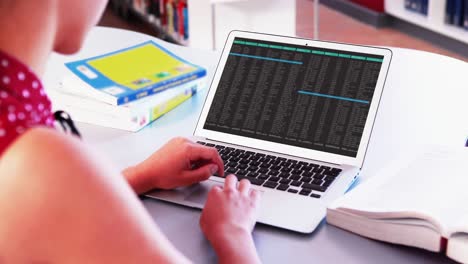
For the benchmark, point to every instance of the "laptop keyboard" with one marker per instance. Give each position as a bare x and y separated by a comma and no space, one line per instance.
288,175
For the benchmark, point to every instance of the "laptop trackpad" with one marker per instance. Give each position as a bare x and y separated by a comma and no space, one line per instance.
200,192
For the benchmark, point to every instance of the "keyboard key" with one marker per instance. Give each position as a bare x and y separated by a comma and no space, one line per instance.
295,177
244,156
275,167
305,191
253,174
336,170
255,181
284,169
254,163
332,173
326,183
209,145
298,172
330,178
244,161
265,165
296,167
317,170
317,181
314,187
219,147
242,166
283,187
254,158
319,176
270,157
274,179
306,179
242,173
315,195
261,155
303,163
231,164
296,183
234,158
284,175
273,173
262,177
275,162
270,184
224,151
235,153
292,191
231,170
252,168
307,174
285,181
201,143
263,170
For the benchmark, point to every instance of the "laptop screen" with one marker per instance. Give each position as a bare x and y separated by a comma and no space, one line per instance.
312,98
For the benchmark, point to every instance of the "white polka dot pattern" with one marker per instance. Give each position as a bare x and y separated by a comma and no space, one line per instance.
23,102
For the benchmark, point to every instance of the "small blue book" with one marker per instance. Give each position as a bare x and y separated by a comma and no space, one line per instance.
130,74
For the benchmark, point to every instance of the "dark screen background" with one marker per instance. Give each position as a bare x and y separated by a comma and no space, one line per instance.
307,97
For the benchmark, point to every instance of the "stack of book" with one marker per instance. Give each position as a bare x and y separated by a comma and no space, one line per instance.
456,13
127,89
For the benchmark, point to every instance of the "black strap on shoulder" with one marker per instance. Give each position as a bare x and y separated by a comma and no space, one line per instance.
66,122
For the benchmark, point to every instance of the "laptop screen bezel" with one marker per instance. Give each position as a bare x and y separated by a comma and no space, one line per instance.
306,153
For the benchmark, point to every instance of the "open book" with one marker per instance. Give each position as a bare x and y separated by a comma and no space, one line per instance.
419,200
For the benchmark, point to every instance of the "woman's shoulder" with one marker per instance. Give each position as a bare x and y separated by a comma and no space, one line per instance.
38,146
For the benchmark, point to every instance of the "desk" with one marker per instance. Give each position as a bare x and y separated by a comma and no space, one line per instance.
424,100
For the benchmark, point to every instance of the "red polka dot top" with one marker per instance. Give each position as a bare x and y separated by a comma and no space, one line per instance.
23,102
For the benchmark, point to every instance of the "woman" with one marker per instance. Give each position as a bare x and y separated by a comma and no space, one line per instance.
59,201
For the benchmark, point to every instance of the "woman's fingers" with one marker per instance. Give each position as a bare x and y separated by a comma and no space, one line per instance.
244,187
230,183
197,152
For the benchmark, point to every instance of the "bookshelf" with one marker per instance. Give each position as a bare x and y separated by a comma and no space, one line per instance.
210,21
435,19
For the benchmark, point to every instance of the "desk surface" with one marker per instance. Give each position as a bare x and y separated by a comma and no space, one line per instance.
424,101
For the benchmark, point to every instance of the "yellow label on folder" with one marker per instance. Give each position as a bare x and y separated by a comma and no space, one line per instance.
140,67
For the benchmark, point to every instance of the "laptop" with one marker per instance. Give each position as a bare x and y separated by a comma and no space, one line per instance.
294,116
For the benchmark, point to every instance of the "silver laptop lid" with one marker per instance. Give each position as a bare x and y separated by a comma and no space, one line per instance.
311,99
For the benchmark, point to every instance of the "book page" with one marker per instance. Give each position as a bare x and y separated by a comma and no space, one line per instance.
457,247
430,185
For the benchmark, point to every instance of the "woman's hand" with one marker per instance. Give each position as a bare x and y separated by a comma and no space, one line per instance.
228,219
180,162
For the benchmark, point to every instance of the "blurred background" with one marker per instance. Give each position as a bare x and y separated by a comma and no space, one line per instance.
438,26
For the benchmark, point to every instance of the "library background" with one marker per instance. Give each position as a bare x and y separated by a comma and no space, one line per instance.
439,26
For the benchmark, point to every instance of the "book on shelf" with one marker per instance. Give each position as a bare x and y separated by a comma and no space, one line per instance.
418,6
130,74
465,16
132,116
170,15
449,9
417,200
458,12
